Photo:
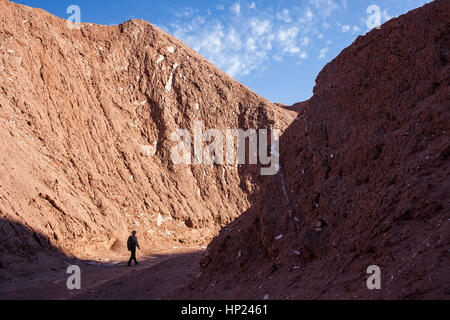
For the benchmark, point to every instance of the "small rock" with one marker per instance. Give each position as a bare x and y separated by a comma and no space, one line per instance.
159,220
160,59
266,297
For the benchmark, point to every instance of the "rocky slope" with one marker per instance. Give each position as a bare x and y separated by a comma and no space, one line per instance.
86,118
364,181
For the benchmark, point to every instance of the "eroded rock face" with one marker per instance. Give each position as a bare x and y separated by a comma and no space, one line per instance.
86,118
364,181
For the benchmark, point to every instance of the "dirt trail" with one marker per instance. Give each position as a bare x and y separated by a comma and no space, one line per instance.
155,278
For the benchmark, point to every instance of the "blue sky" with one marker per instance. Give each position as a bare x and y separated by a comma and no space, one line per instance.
276,48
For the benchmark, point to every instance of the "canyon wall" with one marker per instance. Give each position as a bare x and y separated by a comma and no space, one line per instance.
86,120
364,180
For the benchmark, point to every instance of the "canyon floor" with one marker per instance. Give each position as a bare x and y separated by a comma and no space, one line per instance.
155,278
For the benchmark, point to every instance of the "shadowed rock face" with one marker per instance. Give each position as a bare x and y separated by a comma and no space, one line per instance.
364,181
86,117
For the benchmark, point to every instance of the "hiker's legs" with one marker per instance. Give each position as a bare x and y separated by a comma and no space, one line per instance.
133,257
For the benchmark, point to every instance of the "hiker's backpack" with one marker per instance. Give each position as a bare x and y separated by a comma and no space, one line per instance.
130,243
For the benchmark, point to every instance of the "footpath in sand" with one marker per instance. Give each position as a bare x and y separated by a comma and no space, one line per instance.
156,277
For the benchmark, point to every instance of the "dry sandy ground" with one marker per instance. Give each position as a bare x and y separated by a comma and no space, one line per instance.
155,278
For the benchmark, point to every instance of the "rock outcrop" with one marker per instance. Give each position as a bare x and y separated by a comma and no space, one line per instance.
364,180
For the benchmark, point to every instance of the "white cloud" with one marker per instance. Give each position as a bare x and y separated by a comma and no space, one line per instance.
186,12
326,26
234,39
239,38
284,16
356,29
260,27
303,55
305,41
234,66
306,16
309,14
277,58
292,50
287,35
236,8
323,53
324,7
235,49
251,44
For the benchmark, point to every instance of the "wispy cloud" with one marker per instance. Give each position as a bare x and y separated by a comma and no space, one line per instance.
323,53
284,16
236,8
242,37
186,12
324,7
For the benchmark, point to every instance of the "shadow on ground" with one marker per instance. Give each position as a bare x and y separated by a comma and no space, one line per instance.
31,268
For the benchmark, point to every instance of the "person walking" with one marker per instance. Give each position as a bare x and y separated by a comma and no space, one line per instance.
132,244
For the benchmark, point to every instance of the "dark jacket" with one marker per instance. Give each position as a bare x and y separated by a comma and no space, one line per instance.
133,242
